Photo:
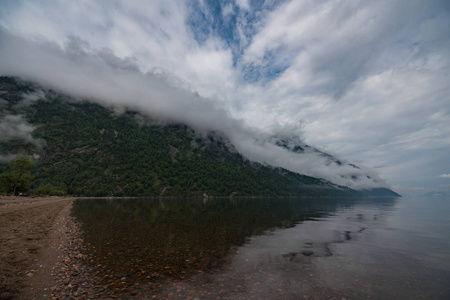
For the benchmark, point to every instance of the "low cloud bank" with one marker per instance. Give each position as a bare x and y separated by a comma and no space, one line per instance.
16,127
102,77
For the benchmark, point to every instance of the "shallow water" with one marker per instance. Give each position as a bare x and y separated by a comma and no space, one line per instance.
371,248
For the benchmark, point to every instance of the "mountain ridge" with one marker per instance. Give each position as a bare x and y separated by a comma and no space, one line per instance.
89,150
295,145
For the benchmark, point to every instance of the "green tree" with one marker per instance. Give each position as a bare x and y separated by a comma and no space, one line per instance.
44,190
47,190
18,179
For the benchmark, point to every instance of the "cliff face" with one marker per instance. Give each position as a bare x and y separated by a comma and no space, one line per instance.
90,150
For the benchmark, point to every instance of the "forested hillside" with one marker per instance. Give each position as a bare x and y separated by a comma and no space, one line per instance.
86,149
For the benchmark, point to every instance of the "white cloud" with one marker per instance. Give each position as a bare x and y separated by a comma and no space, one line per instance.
15,126
366,79
227,10
243,4
363,77
444,175
105,80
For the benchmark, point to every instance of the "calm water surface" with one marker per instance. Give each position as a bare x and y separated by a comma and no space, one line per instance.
372,248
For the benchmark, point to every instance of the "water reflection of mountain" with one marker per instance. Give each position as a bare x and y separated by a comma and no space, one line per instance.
157,239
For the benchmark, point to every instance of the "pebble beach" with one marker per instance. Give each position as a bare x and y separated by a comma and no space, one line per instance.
41,251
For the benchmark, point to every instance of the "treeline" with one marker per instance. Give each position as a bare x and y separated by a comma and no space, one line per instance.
17,180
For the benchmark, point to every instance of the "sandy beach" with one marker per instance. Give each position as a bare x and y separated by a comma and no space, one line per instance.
33,243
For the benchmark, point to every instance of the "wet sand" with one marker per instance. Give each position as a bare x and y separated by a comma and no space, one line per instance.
33,241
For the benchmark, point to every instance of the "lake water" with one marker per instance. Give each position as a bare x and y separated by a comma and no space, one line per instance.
371,248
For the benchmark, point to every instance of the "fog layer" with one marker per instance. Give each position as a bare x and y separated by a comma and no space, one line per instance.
102,77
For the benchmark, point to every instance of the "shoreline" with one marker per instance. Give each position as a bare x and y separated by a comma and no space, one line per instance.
42,256
40,246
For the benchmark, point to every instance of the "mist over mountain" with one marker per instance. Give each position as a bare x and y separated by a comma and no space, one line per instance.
101,77
349,173
91,149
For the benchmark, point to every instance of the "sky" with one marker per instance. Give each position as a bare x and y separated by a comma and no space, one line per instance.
367,81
